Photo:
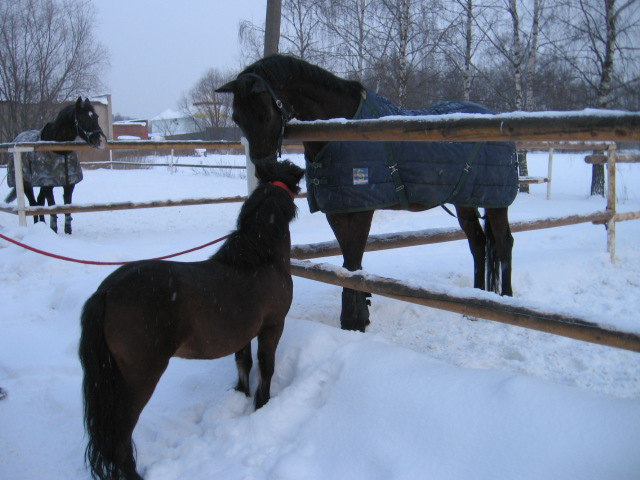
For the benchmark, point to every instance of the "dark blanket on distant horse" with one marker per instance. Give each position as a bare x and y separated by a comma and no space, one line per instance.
45,169
357,176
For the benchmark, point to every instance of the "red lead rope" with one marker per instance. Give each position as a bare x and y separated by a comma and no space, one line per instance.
92,262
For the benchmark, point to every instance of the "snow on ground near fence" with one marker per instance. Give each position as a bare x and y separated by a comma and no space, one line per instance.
423,394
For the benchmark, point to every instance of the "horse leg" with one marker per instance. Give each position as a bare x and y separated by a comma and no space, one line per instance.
351,231
468,220
244,362
46,194
268,339
139,383
499,251
28,192
67,197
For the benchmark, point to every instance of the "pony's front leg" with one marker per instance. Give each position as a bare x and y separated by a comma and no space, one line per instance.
67,197
244,362
267,343
46,194
351,231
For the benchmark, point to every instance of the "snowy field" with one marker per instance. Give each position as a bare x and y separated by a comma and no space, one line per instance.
424,394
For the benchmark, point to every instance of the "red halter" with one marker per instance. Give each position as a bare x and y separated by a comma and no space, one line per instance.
280,184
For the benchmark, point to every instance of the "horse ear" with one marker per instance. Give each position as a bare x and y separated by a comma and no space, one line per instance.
258,87
227,87
79,103
87,103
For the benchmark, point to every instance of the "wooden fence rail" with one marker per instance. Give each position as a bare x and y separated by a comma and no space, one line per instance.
502,310
534,126
438,235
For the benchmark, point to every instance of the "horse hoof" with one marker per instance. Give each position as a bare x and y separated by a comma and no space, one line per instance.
3,394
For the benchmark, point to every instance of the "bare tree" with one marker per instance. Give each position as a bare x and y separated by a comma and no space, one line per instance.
414,37
301,29
463,42
603,43
48,54
209,108
355,29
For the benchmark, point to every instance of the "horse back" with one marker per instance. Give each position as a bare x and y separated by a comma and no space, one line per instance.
192,310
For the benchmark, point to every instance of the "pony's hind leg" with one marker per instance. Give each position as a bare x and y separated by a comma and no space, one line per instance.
244,362
499,251
267,343
140,381
67,198
468,220
352,231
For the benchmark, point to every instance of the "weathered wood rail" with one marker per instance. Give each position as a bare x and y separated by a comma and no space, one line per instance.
502,310
589,125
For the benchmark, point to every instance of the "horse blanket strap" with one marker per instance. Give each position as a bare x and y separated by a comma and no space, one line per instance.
358,176
45,169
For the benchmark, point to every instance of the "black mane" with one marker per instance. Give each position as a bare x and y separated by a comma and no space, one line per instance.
62,128
263,222
283,70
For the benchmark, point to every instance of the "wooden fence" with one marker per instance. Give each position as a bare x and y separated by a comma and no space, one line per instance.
534,127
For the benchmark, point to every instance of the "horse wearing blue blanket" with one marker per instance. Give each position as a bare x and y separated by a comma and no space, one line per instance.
348,181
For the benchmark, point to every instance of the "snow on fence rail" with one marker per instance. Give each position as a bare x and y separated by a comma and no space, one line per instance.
504,310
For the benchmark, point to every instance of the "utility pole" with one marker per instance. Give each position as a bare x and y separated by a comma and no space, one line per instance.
272,27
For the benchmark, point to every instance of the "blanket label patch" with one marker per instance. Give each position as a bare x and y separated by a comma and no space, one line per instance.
360,176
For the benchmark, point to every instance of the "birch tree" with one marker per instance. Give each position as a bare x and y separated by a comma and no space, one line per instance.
603,43
355,34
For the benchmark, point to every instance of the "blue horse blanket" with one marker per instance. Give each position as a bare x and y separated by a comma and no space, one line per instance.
358,176
45,169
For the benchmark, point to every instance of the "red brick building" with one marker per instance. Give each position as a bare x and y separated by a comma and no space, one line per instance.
131,129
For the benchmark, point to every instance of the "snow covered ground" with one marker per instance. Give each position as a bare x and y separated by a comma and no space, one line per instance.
423,394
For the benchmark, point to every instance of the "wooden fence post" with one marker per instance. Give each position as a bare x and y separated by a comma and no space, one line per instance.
252,181
549,173
611,201
17,166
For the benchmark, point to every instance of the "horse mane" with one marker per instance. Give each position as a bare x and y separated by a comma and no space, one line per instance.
280,70
263,222
62,128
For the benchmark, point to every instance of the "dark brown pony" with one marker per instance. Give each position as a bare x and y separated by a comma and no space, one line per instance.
275,89
146,312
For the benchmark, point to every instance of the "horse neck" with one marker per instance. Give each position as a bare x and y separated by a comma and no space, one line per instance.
62,129
320,103
313,102
259,243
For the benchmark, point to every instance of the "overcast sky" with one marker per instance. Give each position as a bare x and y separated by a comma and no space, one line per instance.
160,48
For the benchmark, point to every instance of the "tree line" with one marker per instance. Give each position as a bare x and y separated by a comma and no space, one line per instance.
506,54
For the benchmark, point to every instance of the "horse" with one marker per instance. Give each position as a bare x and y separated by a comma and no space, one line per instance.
273,90
50,169
148,311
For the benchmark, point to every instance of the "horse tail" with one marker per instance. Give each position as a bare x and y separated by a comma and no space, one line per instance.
12,196
103,391
493,265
